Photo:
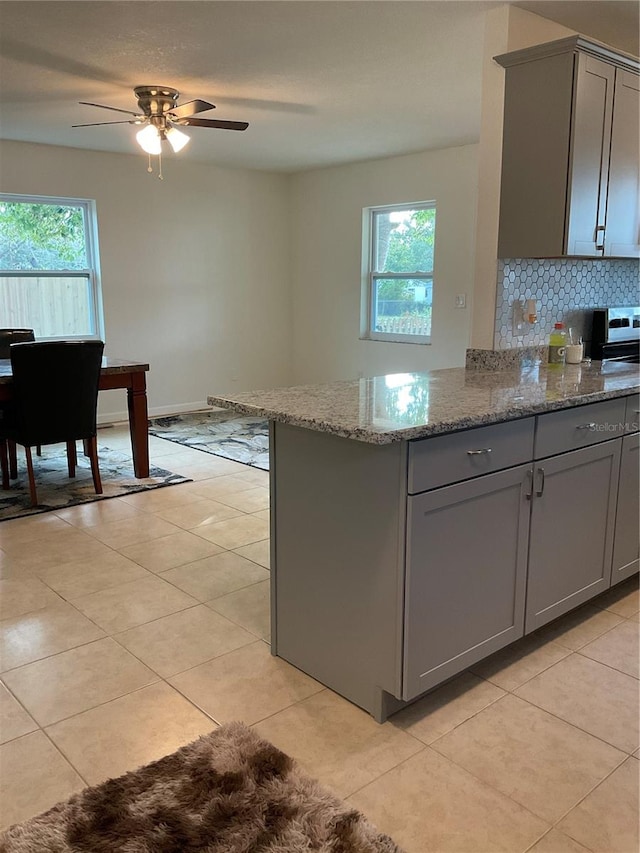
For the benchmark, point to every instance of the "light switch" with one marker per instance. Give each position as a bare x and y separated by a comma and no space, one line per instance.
461,300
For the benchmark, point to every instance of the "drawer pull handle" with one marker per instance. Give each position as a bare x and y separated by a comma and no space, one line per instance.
478,452
540,488
590,426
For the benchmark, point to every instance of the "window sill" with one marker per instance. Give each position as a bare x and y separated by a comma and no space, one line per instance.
422,340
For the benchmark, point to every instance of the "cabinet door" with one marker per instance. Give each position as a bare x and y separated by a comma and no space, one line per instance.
466,570
535,158
622,237
626,549
590,144
572,524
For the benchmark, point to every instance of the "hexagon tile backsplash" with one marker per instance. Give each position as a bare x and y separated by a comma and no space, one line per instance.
565,291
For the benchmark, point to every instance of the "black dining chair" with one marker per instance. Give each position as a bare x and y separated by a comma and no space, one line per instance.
55,385
8,337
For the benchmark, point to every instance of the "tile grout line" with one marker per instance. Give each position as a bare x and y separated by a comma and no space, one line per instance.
567,722
610,666
590,791
626,756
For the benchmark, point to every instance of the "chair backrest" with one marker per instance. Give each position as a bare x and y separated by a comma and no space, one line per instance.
13,336
55,391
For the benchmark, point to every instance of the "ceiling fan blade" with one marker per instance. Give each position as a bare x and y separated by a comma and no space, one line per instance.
103,107
212,122
96,123
191,108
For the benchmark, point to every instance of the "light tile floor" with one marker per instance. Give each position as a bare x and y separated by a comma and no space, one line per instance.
131,626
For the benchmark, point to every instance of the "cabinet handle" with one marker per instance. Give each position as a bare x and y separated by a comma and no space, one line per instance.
591,426
478,452
529,493
600,247
540,488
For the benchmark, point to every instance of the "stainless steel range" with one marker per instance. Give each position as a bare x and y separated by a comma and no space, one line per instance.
616,334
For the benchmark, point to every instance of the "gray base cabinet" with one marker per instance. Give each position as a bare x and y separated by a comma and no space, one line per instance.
572,526
466,575
337,549
626,546
386,581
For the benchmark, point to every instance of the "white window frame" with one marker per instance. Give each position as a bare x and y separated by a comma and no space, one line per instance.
91,273
370,275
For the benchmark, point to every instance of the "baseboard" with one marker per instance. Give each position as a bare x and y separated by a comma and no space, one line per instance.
159,412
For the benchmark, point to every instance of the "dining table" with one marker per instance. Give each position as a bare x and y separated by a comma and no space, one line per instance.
114,373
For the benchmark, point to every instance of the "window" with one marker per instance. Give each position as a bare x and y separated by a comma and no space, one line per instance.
399,280
49,278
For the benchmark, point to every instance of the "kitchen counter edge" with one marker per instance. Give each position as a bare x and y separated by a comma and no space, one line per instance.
280,409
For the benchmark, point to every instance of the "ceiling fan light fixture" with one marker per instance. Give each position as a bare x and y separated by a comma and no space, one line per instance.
158,113
177,139
149,139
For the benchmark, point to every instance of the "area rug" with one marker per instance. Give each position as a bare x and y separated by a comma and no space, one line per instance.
56,490
242,439
228,792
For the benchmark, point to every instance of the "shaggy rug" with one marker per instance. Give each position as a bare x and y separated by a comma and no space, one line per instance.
242,439
228,792
56,490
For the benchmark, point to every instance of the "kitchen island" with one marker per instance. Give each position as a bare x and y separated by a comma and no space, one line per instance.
420,522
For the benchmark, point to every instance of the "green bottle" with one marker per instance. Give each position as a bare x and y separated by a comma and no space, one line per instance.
557,343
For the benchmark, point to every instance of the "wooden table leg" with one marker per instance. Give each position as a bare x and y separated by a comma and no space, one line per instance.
139,424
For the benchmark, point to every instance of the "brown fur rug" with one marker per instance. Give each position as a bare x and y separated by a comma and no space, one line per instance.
228,792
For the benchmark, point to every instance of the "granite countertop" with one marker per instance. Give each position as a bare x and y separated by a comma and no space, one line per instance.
401,406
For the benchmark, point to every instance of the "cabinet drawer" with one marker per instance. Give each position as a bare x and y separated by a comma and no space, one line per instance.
632,414
462,455
571,429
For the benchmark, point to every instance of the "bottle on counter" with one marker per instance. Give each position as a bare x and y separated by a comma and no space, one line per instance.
557,345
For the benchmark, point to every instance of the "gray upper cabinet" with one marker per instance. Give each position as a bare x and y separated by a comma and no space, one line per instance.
622,235
590,153
570,160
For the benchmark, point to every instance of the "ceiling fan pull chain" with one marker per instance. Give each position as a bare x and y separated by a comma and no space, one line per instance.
160,178
149,167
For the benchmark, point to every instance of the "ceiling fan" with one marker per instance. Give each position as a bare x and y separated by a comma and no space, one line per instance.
161,116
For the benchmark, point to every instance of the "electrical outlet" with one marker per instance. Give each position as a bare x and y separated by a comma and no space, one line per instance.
461,300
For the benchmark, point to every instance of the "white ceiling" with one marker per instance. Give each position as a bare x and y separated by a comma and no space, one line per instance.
320,82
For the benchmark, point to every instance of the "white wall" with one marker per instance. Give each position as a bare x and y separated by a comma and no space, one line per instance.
326,222
195,268
227,279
